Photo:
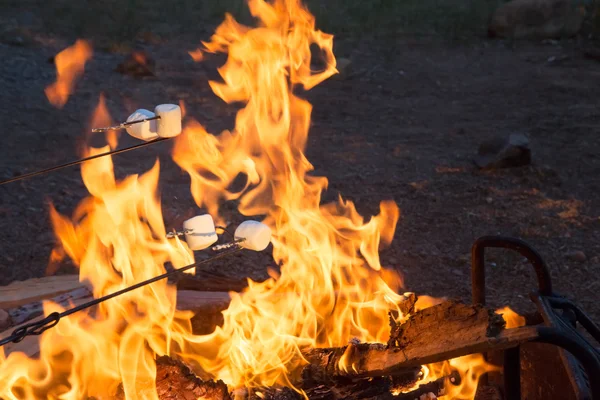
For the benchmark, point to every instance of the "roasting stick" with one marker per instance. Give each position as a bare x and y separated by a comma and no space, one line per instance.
152,127
82,160
251,235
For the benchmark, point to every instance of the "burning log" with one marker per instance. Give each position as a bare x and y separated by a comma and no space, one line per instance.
26,312
437,387
175,381
435,334
361,389
23,300
206,306
207,281
34,290
30,344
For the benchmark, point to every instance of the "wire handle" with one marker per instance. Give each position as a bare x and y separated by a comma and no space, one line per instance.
35,328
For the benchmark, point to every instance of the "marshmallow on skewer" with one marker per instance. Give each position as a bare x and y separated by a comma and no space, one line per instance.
146,130
256,235
169,124
200,232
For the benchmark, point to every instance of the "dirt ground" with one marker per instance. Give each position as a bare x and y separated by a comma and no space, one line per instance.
403,123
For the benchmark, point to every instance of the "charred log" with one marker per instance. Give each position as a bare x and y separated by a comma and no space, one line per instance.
435,334
363,389
437,387
175,381
433,323
325,364
210,281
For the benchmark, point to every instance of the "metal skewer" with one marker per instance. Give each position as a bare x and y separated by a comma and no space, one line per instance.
82,160
124,124
38,327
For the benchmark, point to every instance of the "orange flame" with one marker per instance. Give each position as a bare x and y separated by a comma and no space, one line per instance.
117,238
513,320
69,66
101,118
471,368
329,289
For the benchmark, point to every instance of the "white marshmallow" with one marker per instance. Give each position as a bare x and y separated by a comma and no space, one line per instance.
146,130
169,124
200,232
256,235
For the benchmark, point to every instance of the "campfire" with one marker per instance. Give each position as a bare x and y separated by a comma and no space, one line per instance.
330,323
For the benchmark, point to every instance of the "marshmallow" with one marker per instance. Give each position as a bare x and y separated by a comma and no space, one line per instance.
200,232
169,124
256,235
146,130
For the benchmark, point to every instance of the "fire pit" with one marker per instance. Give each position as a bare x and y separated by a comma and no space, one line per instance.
329,323
525,368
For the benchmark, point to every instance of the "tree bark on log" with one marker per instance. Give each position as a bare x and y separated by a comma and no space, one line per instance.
435,334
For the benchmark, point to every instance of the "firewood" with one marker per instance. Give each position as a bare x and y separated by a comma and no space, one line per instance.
362,389
206,306
5,320
207,281
268,393
207,309
30,345
435,334
437,387
430,324
24,292
29,311
175,381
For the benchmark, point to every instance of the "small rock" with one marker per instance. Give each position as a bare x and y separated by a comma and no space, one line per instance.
4,319
489,200
519,19
512,151
578,256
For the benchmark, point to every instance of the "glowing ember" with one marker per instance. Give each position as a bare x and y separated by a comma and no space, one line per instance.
331,286
196,55
69,66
